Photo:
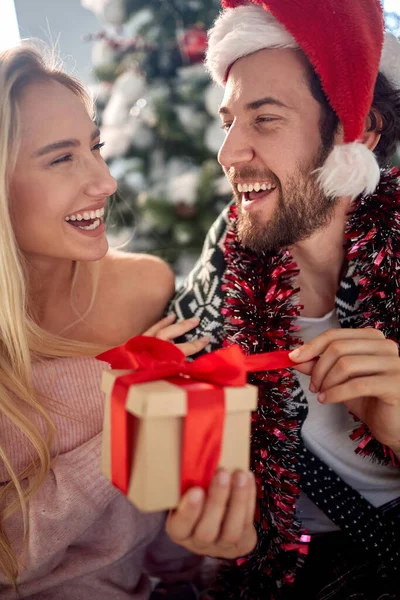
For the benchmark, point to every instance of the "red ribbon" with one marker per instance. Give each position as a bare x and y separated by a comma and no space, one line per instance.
152,359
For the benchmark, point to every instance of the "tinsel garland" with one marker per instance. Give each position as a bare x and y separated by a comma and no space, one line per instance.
373,241
259,312
260,309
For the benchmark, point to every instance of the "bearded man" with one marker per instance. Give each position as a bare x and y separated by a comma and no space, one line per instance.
307,258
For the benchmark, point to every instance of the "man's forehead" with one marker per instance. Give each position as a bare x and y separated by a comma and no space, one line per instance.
278,75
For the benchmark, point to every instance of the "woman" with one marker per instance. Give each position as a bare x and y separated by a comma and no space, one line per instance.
65,532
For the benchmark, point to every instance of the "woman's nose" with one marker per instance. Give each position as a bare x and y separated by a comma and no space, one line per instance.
100,182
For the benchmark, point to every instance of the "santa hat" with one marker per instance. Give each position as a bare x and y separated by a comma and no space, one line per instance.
344,41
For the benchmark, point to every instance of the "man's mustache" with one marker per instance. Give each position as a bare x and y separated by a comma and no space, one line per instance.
254,174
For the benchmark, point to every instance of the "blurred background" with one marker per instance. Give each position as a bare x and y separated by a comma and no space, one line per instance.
157,109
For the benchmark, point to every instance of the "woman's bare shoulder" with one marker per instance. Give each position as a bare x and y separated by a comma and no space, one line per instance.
139,286
127,267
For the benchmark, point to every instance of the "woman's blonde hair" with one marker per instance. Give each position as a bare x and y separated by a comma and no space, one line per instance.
22,341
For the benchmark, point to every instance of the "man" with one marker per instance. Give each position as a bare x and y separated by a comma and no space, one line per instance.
309,253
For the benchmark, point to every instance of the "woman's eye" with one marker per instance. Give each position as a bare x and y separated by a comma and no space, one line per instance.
65,158
68,157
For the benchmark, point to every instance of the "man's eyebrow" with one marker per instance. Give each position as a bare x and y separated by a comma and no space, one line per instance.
256,104
267,100
63,144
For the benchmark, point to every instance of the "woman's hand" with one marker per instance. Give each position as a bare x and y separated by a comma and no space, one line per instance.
219,523
168,330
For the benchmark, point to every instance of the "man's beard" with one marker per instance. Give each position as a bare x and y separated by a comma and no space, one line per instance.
302,209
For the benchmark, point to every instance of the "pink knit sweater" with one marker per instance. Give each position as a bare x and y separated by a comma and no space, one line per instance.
85,539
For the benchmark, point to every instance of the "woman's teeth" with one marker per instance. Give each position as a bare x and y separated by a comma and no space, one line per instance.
94,225
97,215
256,187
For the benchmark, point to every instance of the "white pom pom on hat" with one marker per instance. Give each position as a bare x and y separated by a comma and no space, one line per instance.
347,62
348,169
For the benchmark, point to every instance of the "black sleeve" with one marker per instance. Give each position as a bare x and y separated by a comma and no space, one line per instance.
201,294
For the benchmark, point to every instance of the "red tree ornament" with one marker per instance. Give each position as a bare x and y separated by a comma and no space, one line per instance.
193,43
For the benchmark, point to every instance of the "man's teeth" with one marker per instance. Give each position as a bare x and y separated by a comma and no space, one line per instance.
93,214
256,187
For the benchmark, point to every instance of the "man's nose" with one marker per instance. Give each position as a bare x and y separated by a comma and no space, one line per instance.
235,150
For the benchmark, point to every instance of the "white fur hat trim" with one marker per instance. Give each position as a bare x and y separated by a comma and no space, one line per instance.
240,31
245,29
350,170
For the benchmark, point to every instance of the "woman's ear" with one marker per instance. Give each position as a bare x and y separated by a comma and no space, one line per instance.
373,129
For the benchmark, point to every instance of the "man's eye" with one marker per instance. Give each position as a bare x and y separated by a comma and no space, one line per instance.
266,119
226,126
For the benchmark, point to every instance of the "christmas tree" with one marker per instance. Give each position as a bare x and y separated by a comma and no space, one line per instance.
159,117
392,20
158,112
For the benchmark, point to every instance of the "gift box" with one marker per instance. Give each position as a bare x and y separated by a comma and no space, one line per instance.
169,424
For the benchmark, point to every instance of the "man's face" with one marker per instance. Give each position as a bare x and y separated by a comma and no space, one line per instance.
272,148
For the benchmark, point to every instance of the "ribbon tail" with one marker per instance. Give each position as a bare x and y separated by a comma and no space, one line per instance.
122,425
202,438
269,361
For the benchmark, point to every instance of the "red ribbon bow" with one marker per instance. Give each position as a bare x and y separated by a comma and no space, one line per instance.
152,359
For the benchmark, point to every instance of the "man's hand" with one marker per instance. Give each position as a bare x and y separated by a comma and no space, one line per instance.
220,523
361,369
168,330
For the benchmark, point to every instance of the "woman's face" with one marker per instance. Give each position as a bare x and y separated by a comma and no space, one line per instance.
60,183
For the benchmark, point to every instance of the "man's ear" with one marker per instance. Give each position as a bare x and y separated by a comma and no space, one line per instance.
373,129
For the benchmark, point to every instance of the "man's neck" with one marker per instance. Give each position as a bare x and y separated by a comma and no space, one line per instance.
320,260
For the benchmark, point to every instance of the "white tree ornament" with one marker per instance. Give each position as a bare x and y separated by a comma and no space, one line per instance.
103,55
214,137
131,85
212,98
109,11
183,188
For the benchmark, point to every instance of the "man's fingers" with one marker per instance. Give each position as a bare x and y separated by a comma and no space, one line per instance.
209,525
221,523
318,345
306,368
251,505
370,386
340,351
350,367
237,513
182,521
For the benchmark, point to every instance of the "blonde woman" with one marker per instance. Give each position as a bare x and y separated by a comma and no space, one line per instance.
65,532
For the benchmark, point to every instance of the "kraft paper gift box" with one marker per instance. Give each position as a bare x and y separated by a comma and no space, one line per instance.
159,409
169,424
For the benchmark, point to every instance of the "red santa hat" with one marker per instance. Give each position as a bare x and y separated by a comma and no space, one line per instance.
344,41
